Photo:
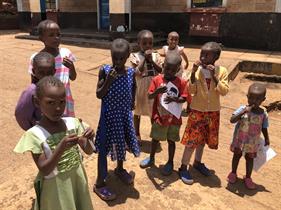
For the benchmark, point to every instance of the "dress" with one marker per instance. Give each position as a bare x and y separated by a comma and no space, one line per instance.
67,186
247,131
62,73
115,131
143,104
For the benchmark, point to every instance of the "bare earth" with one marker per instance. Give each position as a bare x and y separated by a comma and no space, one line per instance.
151,190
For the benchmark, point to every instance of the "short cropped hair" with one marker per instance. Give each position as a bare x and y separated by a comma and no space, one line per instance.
43,25
44,82
120,45
142,33
213,46
43,56
173,59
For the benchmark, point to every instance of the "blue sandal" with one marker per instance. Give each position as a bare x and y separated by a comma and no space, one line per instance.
168,169
105,193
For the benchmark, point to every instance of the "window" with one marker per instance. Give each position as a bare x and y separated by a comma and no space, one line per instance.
50,4
206,3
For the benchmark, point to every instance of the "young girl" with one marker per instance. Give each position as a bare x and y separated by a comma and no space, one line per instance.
53,142
173,47
251,121
147,65
49,34
206,84
115,133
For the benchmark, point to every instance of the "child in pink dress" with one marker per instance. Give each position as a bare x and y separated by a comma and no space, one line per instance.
49,34
252,120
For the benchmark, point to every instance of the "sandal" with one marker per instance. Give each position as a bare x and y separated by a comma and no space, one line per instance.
124,176
232,177
249,183
105,193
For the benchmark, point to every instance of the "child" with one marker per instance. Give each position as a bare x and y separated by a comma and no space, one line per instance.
251,121
26,113
165,125
206,84
147,65
49,34
115,133
53,142
173,47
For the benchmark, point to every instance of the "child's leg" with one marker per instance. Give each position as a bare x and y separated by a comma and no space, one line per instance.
102,170
137,119
171,151
154,145
249,165
123,175
235,160
186,157
149,161
199,153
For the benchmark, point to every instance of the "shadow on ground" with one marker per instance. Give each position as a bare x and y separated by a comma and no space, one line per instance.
239,189
122,190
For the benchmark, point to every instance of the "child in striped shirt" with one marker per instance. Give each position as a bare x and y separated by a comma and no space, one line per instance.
49,34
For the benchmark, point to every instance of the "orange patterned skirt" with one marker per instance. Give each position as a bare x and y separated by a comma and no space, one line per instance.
202,128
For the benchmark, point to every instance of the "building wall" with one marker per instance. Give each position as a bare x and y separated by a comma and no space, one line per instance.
78,6
251,5
150,6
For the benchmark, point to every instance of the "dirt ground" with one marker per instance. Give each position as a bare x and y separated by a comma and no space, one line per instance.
151,190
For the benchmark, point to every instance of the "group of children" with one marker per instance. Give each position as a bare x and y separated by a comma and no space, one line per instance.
53,134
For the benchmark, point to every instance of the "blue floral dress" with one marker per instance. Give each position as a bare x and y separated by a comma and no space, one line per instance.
116,133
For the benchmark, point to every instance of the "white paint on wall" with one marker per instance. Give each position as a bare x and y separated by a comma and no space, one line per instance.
224,3
278,6
19,6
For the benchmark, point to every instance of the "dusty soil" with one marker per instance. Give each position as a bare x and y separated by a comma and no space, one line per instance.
151,190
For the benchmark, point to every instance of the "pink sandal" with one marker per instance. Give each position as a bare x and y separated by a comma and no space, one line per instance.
232,177
249,183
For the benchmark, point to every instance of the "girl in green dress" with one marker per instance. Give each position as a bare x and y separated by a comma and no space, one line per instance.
61,183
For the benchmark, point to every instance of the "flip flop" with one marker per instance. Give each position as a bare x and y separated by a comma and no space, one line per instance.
105,193
124,176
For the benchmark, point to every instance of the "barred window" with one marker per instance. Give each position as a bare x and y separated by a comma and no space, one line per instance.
50,4
206,3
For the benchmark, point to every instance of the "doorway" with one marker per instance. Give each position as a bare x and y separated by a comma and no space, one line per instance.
103,14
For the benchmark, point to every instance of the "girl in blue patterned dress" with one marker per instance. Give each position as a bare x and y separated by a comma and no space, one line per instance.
115,133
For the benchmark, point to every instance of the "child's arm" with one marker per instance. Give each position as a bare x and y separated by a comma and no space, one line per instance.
185,59
159,90
105,82
148,57
266,137
46,166
84,141
170,99
69,64
222,82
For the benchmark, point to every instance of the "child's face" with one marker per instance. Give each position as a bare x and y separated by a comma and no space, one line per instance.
173,41
207,57
52,102
255,99
51,36
170,71
146,42
44,69
119,59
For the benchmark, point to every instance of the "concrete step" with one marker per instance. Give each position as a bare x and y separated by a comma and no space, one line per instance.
89,41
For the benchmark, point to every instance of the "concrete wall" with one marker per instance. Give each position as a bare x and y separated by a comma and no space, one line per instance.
78,5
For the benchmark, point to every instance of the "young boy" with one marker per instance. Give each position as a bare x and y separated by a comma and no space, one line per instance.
166,126
26,113
206,84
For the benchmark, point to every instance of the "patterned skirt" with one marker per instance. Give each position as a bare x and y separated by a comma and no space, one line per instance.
202,128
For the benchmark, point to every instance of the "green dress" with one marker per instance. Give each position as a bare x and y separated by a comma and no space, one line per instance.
67,187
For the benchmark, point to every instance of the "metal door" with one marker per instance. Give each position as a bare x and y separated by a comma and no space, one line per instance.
104,14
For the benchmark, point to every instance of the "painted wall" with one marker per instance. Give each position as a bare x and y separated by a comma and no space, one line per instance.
251,5
143,6
78,5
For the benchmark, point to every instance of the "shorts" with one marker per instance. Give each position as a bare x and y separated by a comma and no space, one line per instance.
202,128
163,133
